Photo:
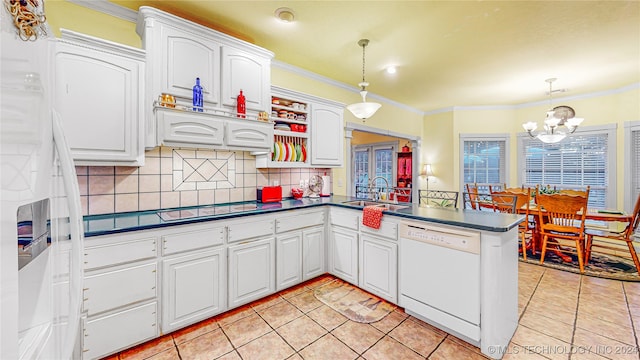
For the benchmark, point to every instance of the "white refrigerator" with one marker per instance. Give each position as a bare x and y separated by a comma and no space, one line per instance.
41,243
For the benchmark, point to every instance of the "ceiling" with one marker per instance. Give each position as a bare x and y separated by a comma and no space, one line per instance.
448,53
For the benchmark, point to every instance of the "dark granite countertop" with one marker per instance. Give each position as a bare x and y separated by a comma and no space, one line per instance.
95,225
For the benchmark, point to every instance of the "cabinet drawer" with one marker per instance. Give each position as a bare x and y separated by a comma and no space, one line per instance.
111,289
348,219
192,238
119,253
299,221
108,334
175,127
249,229
253,135
388,229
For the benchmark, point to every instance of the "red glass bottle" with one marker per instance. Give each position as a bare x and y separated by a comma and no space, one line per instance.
242,106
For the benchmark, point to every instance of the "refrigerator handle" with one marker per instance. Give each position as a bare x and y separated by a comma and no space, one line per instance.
76,228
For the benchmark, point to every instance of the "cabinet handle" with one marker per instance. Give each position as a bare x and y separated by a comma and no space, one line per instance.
85,350
153,271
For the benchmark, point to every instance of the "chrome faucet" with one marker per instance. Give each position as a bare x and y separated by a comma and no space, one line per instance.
372,183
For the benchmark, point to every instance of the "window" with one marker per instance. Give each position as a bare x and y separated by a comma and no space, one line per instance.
632,164
586,158
371,161
484,159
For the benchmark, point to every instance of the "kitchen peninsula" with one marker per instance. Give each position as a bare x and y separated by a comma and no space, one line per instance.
175,267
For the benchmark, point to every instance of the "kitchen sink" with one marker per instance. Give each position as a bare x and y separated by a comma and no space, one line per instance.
393,207
386,206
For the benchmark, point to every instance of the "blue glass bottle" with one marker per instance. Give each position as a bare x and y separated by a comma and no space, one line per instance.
197,96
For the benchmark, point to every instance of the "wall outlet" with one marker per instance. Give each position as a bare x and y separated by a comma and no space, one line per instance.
339,182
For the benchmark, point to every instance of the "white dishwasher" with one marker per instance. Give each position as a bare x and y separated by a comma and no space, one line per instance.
440,277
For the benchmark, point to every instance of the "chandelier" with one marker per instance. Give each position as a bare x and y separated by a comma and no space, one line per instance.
363,110
556,117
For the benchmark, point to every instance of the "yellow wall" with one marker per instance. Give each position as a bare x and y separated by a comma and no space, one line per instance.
437,149
63,14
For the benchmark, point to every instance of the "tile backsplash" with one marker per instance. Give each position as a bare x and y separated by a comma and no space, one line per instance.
175,177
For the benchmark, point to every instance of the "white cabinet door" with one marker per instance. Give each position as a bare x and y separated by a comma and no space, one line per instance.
183,128
99,96
189,56
327,132
379,267
343,254
248,72
255,135
313,252
288,259
110,333
251,271
134,283
192,288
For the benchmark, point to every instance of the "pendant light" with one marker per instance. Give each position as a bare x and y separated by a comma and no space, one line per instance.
556,117
363,110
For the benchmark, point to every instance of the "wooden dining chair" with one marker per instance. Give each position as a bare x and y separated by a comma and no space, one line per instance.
625,235
504,202
562,217
574,192
497,187
472,195
526,227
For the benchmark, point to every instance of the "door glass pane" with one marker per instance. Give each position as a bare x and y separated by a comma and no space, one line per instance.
361,170
384,167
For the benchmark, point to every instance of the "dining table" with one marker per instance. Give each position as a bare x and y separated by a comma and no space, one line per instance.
602,219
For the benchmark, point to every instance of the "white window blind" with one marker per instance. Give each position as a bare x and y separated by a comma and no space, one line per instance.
574,163
484,162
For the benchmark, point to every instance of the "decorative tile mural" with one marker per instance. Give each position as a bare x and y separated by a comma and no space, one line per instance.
200,170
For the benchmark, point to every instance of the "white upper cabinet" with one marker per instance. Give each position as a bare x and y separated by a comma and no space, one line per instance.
242,70
178,52
99,95
327,133
187,58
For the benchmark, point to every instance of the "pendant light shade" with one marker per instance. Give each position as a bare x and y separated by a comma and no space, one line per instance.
363,110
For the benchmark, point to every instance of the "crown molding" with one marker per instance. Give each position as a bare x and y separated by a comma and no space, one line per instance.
536,103
108,8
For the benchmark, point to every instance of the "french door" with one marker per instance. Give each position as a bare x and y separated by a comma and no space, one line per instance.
373,161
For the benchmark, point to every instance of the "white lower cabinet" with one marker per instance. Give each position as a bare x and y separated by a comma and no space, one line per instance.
379,267
288,259
134,283
343,254
119,330
251,270
193,287
313,263
120,292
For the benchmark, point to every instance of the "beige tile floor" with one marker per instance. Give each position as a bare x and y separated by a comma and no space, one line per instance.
562,316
